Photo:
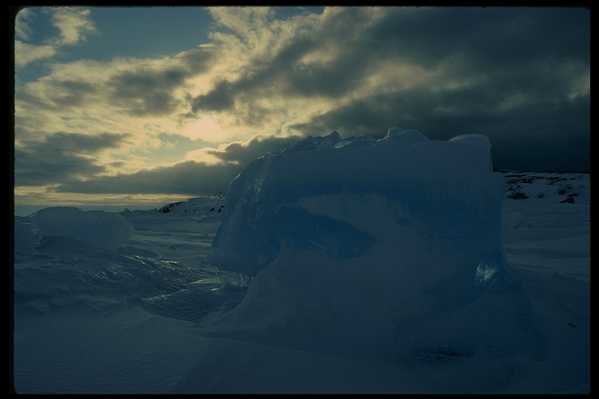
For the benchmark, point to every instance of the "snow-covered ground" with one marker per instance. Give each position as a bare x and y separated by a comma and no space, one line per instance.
547,243
98,319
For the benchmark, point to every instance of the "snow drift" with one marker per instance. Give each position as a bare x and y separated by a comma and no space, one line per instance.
388,248
99,229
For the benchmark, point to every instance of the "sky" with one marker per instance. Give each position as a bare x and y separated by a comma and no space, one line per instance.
140,106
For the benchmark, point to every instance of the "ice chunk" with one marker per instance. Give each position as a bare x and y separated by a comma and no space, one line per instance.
405,136
372,249
479,143
473,139
445,185
97,228
312,143
343,143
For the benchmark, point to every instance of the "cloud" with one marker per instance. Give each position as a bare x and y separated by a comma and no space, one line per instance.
241,19
22,24
282,71
60,157
48,92
140,97
188,177
73,24
536,135
166,147
27,53
183,178
138,87
218,99
178,140
70,93
520,75
150,89
523,78
420,57
143,92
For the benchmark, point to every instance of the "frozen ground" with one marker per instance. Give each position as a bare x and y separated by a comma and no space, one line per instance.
101,320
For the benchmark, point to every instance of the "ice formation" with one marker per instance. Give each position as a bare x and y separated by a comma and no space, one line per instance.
447,186
99,229
397,244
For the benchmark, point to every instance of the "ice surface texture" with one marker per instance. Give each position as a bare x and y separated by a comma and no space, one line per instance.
388,247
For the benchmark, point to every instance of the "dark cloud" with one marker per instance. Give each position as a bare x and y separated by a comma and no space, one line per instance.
218,99
525,64
472,40
192,178
77,142
31,169
69,93
489,37
183,178
540,135
197,60
60,157
258,77
141,91
146,91
514,73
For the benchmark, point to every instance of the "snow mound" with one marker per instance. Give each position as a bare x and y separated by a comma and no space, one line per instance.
26,235
99,229
388,248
